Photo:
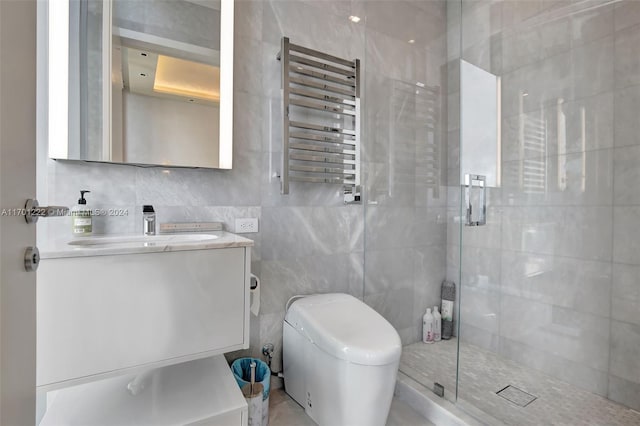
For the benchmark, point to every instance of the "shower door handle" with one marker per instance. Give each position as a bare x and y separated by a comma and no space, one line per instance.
475,190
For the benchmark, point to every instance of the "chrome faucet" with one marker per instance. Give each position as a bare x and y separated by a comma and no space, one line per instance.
148,220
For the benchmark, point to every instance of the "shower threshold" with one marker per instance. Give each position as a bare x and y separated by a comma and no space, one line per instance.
531,397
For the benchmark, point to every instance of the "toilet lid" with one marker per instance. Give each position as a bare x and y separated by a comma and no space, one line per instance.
346,328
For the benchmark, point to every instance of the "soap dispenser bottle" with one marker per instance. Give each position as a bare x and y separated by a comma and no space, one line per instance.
81,220
437,325
427,327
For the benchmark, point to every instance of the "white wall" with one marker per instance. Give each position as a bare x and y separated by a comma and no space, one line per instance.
167,131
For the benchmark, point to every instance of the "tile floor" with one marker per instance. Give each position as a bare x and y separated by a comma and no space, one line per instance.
284,411
484,373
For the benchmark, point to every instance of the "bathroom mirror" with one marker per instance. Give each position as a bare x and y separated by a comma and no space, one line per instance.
139,82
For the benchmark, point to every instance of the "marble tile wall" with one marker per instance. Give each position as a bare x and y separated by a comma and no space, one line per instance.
193,23
390,250
553,280
624,364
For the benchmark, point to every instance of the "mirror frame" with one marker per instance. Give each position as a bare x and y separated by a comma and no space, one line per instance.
58,83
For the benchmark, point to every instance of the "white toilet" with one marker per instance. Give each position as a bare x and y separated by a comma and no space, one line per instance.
340,360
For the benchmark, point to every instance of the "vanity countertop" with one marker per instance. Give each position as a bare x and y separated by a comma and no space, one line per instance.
106,245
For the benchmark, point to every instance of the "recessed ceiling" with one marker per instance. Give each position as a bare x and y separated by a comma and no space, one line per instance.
187,78
151,74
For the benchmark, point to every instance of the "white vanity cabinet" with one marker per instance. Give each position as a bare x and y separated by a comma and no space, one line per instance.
103,312
201,392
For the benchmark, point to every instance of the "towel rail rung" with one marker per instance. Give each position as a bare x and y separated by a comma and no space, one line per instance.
349,73
321,55
321,128
298,69
317,85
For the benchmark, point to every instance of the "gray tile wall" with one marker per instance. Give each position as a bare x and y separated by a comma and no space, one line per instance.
309,241
624,363
553,280
405,212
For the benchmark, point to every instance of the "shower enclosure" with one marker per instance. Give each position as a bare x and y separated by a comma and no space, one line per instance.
505,157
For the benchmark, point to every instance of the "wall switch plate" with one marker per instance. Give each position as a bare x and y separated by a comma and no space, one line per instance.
246,225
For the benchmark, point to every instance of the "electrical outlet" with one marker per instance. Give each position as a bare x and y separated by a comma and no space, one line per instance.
246,225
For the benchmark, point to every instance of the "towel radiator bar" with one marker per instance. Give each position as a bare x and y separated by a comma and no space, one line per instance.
321,119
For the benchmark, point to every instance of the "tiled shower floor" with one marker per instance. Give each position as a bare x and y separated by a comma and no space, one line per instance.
483,373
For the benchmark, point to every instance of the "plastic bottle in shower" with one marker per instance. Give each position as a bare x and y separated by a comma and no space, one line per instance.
448,294
427,327
437,325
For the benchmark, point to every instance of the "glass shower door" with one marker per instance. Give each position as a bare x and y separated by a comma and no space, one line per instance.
549,325
405,168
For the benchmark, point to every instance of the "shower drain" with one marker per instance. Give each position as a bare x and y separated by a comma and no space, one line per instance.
517,396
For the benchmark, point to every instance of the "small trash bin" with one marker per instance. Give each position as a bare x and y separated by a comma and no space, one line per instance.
241,369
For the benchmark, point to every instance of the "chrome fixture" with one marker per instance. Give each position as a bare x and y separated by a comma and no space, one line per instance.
321,119
267,350
31,259
471,183
33,211
148,220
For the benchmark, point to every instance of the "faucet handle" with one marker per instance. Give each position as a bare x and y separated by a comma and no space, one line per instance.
148,220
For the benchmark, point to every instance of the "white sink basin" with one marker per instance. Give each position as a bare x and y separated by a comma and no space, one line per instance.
141,240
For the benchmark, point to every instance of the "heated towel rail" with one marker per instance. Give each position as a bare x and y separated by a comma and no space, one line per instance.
321,119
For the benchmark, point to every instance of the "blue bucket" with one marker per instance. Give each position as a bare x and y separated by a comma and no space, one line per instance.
241,369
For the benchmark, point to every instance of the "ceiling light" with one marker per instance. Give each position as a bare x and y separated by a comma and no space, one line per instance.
412,41
525,94
354,19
